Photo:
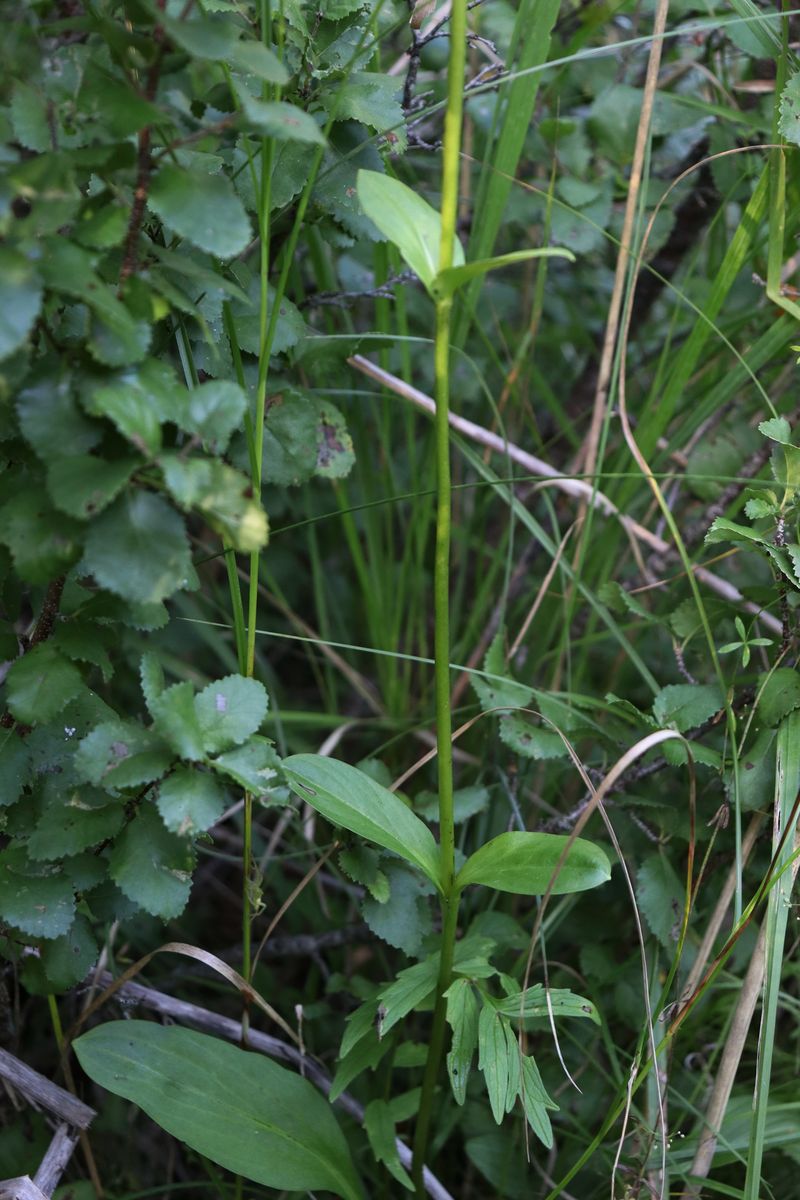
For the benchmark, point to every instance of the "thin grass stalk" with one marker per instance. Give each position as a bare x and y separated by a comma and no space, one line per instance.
787,784
441,600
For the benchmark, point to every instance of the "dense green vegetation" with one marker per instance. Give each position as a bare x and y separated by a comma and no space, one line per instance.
399,569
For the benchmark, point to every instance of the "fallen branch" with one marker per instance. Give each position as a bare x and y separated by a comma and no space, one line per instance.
578,488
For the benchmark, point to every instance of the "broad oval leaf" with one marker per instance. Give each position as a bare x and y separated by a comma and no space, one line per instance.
524,863
349,798
406,220
237,1108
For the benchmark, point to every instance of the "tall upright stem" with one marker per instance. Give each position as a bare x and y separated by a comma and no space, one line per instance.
441,584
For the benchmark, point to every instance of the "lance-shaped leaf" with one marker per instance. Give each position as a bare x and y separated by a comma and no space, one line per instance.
257,1120
462,1016
526,864
349,798
536,1002
448,282
408,221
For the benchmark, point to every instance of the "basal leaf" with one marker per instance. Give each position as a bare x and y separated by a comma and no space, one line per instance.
524,863
347,797
74,819
258,1120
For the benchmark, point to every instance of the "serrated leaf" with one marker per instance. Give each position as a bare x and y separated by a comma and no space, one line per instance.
175,719
224,497
202,208
152,866
230,710
777,429
29,118
756,508
259,1120
20,299
134,411
406,220
202,36
43,542
778,695
362,864
789,123
347,797
531,741
40,903
462,1017
280,120
365,1055
371,99
83,486
74,819
40,684
499,691
213,411
190,801
254,766
120,754
525,863
61,962
687,705
404,919
15,766
661,897
138,549
50,419
151,676
289,438
335,454
379,1124
254,58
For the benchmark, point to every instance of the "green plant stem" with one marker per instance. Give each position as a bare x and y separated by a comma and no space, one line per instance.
436,1043
441,585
